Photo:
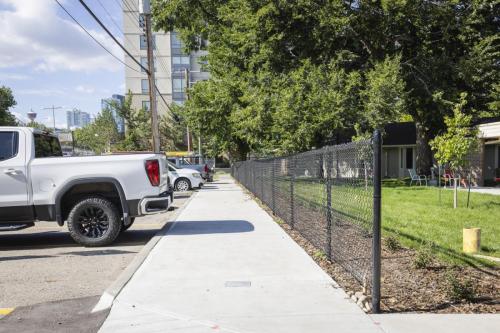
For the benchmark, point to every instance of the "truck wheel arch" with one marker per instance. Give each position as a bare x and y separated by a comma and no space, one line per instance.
86,181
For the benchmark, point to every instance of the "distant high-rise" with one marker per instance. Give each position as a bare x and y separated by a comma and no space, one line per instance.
171,64
77,118
119,99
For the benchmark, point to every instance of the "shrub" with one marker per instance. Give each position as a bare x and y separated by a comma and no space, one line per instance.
392,244
319,255
460,290
423,258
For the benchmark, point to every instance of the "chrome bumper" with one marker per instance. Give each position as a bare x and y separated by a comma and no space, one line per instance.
154,205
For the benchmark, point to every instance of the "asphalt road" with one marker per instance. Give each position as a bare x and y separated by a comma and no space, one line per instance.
43,264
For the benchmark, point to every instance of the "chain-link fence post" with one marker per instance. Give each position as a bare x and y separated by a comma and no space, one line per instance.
328,204
292,201
377,194
262,182
273,174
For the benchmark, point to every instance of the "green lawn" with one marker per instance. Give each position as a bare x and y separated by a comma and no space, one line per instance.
416,215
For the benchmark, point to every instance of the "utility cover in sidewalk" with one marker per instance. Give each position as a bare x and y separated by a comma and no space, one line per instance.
235,284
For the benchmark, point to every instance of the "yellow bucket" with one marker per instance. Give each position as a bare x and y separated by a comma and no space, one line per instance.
472,240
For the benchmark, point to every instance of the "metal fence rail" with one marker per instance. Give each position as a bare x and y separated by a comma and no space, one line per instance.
332,197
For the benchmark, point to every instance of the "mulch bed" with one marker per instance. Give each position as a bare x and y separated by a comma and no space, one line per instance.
408,289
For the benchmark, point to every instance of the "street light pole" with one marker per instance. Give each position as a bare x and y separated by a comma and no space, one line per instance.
186,78
145,9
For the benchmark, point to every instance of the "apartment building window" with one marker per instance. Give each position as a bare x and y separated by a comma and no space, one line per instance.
178,85
175,41
144,43
146,105
144,63
145,86
180,60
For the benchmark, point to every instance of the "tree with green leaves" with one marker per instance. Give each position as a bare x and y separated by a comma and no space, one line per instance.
288,75
6,102
100,135
455,146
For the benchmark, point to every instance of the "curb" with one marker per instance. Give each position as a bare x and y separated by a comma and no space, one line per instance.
109,295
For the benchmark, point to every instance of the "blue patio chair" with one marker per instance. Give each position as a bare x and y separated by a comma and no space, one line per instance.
416,178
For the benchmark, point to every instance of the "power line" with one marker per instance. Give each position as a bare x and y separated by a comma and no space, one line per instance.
137,18
111,35
124,49
95,40
135,15
125,35
109,15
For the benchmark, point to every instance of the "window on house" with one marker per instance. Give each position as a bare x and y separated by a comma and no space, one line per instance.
146,105
144,43
145,86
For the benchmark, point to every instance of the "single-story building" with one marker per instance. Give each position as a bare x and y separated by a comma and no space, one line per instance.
399,151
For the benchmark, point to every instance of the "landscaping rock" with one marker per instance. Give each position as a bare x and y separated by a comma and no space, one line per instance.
358,294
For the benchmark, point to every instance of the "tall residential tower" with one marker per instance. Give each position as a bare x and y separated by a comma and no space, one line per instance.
172,65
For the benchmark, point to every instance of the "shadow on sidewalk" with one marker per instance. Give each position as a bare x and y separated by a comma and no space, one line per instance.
209,227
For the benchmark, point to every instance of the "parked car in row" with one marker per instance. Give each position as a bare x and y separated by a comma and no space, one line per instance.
184,179
97,196
198,163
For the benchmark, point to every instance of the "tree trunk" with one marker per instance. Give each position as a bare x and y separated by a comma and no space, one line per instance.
423,151
239,151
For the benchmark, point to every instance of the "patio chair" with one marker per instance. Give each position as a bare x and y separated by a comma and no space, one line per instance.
416,178
449,177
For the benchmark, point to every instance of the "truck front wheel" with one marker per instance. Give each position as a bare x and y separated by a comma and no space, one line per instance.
94,221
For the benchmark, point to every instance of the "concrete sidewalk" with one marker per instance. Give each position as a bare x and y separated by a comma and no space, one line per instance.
225,266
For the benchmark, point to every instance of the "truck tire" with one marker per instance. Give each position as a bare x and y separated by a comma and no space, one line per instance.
94,221
126,227
182,184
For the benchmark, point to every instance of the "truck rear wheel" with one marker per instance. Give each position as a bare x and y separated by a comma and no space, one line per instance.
94,221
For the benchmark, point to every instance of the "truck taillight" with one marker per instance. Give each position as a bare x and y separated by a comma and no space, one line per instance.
153,171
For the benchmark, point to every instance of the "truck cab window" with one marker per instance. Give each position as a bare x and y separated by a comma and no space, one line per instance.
47,146
8,145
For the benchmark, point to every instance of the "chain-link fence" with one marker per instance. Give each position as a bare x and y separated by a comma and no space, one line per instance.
328,196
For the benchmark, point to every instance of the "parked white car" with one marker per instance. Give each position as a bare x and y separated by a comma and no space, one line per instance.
97,196
184,179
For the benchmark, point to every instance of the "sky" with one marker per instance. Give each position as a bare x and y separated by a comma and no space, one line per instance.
47,59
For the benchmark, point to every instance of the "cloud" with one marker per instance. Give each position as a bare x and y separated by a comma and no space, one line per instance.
32,34
13,77
85,89
40,92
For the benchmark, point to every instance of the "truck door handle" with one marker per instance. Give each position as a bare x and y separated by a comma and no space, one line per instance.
11,171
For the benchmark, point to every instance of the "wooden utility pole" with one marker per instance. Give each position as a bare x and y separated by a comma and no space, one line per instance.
145,9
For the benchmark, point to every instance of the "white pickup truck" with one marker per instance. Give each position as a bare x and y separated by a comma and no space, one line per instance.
97,196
